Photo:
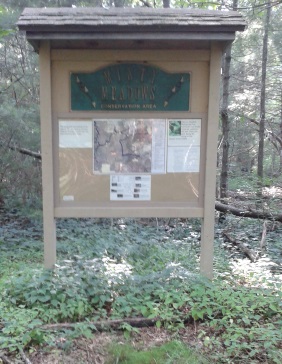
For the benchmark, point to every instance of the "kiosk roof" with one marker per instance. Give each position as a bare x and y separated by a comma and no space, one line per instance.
127,24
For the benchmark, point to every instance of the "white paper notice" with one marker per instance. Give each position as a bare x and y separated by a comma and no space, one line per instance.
75,134
130,188
68,198
183,152
158,146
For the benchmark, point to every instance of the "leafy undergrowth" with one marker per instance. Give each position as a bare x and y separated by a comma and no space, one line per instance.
115,270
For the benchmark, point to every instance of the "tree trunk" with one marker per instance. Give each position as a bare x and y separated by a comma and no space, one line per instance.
263,91
166,3
118,3
225,124
223,186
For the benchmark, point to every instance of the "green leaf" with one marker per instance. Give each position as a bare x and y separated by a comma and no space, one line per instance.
44,299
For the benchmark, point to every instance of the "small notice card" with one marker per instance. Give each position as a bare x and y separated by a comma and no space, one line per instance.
130,187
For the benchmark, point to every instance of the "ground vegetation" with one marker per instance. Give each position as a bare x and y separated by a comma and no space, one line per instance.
129,291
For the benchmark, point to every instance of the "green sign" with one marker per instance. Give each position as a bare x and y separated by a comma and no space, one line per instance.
130,87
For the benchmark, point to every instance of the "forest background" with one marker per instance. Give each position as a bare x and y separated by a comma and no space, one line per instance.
248,323
250,141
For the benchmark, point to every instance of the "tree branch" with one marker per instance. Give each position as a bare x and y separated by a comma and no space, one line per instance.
114,324
5,359
101,325
253,214
28,152
144,2
24,357
249,252
267,131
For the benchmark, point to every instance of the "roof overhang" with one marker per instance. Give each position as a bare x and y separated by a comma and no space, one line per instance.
128,27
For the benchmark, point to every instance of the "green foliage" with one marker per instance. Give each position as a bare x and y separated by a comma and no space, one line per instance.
4,30
19,327
70,292
128,330
240,319
20,181
130,270
169,353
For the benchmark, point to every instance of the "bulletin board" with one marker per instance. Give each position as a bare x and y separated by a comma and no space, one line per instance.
129,136
129,159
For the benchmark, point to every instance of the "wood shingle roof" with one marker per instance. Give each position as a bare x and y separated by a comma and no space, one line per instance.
128,23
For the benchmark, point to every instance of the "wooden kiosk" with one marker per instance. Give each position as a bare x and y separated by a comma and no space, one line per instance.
129,113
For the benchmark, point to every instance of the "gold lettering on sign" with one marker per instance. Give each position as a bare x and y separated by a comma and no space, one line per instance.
137,93
118,75
129,93
129,74
114,91
144,92
152,93
121,95
104,93
107,76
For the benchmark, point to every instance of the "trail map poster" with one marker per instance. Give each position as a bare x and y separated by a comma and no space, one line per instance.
127,146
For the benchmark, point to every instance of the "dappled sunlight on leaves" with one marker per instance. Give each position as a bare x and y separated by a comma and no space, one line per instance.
124,268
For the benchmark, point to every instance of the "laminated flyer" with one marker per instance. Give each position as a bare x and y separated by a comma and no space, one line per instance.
183,145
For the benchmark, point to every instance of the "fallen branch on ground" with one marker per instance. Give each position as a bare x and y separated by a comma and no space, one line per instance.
25,358
4,359
100,325
113,324
263,236
249,252
253,214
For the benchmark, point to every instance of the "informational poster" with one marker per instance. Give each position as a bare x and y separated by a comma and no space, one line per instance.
75,134
123,146
183,146
130,187
158,146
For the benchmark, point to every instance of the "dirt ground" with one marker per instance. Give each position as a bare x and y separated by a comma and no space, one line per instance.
96,350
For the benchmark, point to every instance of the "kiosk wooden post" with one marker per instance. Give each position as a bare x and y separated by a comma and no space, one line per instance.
49,222
129,113
207,234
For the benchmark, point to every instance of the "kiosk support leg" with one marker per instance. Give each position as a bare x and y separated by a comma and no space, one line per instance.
207,236
49,224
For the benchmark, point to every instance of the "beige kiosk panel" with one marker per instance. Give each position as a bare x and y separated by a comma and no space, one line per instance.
75,183
199,78
134,56
77,180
